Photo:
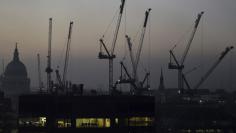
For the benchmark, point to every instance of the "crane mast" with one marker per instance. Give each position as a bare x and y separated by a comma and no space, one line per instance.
39,73
49,69
110,54
67,54
212,68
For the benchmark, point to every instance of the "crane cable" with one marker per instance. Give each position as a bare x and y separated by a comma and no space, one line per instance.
63,51
135,39
202,44
138,31
231,70
149,50
109,25
183,36
125,33
125,45
148,69
209,61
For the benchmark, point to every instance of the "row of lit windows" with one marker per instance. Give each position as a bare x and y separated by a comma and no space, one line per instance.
87,122
202,131
84,123
63,123
33,121
93,122
140,121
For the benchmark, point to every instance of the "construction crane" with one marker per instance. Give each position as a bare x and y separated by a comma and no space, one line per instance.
135,61
39,73
137,58
212,68
177,66
49,69
180,65
110,54
67,55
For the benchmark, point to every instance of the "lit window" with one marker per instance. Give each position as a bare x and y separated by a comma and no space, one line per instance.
63,123
116,120
186,130
140,121
107,122
32,122
93,123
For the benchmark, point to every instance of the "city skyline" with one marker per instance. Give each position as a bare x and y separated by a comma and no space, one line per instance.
26,22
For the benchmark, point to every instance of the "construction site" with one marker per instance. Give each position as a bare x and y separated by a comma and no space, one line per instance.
128,102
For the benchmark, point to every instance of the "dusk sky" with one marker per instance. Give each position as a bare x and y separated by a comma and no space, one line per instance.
171,22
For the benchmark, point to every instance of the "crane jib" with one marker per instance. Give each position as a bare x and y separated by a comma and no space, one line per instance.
212,68
198,19
122,6
191,38
146,17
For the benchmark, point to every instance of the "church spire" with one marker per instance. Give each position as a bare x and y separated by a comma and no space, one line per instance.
161,85
16,54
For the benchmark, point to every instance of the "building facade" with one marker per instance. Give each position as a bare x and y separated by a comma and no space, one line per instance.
46,113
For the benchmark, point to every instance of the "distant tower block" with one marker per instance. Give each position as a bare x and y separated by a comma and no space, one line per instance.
161,85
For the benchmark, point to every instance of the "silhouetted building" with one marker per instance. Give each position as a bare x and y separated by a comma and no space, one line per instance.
195,111
8,119
15,81
160,94
188,117
46,113
161,84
